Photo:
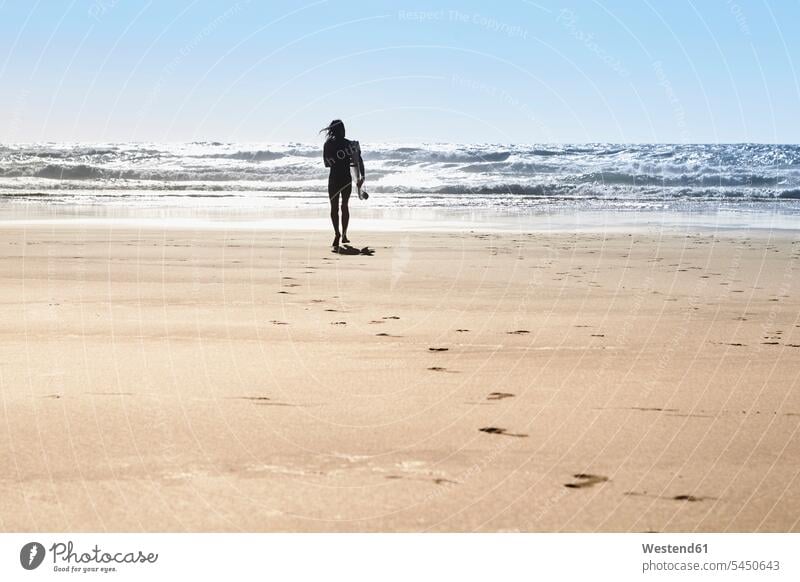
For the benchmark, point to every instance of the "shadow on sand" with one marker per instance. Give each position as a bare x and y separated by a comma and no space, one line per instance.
348,250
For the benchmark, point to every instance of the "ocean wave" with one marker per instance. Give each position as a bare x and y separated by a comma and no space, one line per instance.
70,172
257,156
471,173
708,179
265,155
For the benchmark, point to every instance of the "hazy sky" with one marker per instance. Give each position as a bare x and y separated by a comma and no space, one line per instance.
502,71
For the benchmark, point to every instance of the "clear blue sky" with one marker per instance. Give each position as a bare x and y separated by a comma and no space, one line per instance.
503,71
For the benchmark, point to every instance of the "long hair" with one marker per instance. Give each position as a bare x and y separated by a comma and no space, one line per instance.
335,130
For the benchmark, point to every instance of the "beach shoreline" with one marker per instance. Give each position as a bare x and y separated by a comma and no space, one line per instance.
723,220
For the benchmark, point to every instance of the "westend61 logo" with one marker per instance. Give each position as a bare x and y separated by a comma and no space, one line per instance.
66,559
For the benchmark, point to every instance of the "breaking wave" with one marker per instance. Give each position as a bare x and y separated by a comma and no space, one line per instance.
468,174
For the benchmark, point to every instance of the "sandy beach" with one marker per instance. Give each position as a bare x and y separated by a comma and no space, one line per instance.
204,380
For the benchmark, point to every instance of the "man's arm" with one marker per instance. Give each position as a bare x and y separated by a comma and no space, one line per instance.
326,154
360,161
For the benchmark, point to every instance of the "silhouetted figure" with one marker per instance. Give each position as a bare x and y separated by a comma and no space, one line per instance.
339,154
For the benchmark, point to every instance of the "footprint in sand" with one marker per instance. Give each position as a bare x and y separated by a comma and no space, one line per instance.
499,395
501,431
438,349
276,322
689,498
338,323
435,480
390,317
383,334
262,400
685,497
462,330
518,332
437,369
585,480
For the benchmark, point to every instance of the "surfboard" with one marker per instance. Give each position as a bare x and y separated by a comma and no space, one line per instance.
362,193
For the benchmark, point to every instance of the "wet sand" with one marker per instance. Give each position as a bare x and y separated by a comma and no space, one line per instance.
203,380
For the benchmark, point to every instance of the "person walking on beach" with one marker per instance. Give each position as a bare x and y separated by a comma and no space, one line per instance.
339,154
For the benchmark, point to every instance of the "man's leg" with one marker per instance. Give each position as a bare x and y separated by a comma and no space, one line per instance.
334,198
346,210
